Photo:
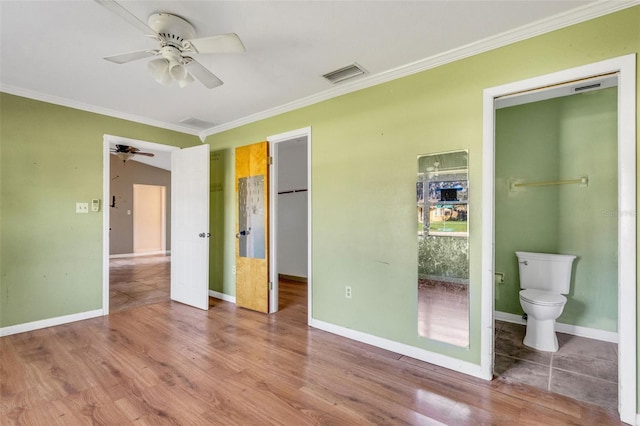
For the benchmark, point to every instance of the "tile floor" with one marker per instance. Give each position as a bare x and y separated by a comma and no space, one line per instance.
582,369
136,281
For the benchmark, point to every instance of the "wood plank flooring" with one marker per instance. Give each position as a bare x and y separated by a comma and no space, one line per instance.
166,363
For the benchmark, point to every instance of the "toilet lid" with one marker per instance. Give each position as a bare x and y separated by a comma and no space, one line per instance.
541,297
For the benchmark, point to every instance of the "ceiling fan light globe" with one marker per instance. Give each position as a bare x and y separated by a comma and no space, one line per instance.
178,71
186,81
159,69
124,156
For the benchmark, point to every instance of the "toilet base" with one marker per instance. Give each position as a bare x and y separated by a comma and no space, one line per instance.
541,335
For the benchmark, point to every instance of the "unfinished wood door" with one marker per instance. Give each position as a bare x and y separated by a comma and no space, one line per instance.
252,227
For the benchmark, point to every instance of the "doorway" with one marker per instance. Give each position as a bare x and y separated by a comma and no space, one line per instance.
623,69
149,219
134,265
290,222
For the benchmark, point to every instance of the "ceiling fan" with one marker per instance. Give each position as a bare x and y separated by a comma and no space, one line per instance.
125,152
177,42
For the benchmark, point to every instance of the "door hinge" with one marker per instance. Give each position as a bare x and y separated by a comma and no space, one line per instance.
270,286
270,160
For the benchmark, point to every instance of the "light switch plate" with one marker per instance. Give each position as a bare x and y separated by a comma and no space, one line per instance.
82,207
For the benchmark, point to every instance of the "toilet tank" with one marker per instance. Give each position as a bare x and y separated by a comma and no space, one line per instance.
545,271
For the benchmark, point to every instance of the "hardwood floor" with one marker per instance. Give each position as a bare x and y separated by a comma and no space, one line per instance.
167,363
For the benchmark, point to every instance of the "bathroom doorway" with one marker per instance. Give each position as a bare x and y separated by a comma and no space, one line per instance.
498,285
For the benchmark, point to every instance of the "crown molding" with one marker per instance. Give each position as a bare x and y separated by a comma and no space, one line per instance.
31,94
562,20
556,22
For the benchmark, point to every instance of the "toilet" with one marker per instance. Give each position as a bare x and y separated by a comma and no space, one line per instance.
544,278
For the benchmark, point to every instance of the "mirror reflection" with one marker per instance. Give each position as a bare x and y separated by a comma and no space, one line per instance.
442,193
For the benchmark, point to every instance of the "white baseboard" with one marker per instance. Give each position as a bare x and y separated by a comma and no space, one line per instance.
576,330
146,253
222,296
49,322
402,349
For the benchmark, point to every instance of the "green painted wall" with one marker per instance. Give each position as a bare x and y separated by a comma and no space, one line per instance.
50,158
222,224
364,150
562,138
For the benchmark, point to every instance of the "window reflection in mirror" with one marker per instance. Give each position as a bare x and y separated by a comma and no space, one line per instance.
442,193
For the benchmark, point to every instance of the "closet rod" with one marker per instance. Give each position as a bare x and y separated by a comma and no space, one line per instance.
583,180
292,191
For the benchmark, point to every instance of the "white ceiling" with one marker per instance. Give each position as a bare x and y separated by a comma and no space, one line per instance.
53,50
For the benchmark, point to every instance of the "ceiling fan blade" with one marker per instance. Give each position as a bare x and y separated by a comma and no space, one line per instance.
119,10
146,154
126,148
131,56
203,75
224,43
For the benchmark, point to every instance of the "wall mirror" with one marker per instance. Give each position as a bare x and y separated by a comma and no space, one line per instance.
442,193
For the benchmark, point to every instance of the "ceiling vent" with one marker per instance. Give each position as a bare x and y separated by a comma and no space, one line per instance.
196,122
344,73
587,87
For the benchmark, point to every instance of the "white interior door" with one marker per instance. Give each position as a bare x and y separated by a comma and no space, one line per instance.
190,226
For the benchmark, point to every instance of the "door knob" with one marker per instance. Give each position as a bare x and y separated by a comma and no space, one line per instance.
204,235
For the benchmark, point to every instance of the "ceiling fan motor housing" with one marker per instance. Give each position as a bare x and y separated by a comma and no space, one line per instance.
173,30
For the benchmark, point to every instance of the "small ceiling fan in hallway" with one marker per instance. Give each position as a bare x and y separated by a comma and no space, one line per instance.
125,152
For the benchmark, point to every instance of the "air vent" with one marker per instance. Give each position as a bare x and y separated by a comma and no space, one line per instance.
196,122
344,73
587,87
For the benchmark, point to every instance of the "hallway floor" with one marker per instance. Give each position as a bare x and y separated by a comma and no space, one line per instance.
138,281
583,369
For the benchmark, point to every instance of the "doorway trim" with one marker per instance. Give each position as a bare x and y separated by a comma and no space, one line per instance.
304,132
107,140
624,66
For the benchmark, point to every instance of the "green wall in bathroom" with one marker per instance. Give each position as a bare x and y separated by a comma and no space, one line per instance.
561,138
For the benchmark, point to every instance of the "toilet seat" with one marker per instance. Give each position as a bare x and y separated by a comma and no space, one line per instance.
542,297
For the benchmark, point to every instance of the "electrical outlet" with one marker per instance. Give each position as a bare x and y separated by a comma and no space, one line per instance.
347,292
